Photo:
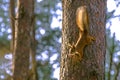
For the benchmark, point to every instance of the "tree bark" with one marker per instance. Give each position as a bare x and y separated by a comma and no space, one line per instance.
91,67
12,16
33,70
22,40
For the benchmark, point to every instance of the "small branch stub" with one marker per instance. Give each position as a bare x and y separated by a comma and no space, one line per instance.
84,39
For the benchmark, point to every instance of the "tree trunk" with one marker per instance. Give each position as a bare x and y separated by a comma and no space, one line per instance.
91,67
33,70
22,40
12,15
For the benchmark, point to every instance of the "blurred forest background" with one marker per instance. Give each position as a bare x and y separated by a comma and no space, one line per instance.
48,35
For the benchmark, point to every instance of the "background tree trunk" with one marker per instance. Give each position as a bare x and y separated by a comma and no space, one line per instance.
22,40
33,70
92,65
12,16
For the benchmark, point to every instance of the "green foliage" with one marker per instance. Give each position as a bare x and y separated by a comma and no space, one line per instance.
112,50
4,26
47,37
112,57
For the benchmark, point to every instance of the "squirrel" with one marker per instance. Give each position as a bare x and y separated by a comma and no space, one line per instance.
82,21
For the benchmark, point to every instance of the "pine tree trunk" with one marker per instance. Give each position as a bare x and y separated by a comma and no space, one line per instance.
22,40
33,70
91,67
12,15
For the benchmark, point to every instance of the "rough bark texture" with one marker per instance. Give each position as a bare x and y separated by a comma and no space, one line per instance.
91,67
22,40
